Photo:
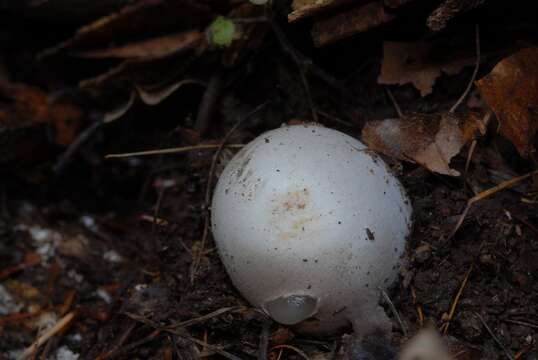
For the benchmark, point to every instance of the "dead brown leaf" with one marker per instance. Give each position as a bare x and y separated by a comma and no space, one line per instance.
416,63
429,140
349,22
151,48
511,90
31,105
134,20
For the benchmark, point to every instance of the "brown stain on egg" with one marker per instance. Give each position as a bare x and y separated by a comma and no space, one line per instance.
292,214
295,200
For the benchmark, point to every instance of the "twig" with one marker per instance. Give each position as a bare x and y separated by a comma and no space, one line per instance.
208,105
522,323
394,102
301,59
175,150
420,313
394,311
16,317
122,339
298,351
203,318
456,301
209,186
75,145
213,348
308,94
154,243
484,194
524,222
334,118
152,336
475,72
483,127
58,327
506,351
264,340
468,160
30,259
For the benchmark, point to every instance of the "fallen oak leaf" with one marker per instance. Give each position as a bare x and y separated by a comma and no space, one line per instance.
511,91
429,140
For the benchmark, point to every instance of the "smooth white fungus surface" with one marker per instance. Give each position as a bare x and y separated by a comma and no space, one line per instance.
310,224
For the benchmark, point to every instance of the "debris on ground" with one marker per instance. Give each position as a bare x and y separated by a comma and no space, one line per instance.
117,117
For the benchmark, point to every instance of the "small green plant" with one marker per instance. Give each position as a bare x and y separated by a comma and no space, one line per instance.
221,31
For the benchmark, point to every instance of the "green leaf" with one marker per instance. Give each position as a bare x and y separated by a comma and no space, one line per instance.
222,31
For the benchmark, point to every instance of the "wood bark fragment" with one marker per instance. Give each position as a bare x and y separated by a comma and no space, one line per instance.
350,22
307,8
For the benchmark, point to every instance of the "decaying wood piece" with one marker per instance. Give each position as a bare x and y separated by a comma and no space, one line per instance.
306,8
349,22
439,18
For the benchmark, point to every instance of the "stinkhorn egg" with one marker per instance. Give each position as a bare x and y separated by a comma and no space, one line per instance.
310,224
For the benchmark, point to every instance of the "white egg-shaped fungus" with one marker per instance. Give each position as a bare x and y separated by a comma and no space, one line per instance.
310,224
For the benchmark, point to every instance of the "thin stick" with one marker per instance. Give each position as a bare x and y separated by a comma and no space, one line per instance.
483,128
213,348
58,327
175,150
456,300
506,351
308,94
298,351
301,59
209,186
394,102
125,349
523,221
484,194
66,156
30,259
334,118
122,339
394,311
208,105
180,333
469,156
522,323
206,317
475,72
264,340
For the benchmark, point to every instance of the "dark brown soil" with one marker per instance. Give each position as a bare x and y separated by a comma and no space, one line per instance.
125,276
